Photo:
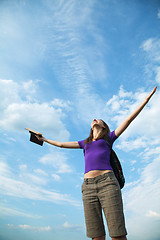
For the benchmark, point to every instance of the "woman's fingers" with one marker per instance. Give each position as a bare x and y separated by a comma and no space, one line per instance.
155,89
150,95
40,138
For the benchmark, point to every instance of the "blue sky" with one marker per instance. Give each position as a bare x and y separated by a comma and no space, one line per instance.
63,63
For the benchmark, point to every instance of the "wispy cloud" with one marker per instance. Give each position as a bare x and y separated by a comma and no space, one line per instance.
56,177
29,227
153,214
72,227
40,172
58,160
147,45
142,201
11,186
8,211
158,15
157,72
150,152
151,47
81,66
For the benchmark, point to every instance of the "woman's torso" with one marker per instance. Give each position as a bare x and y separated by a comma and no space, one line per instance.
97,156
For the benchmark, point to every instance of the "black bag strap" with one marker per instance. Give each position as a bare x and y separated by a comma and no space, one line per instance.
115,164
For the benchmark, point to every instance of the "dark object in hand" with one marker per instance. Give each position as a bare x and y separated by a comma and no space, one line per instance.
33,137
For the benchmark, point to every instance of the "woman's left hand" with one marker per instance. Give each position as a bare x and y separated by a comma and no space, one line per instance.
150,95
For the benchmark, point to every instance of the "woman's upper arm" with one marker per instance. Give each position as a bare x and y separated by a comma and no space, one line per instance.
122,127
70,145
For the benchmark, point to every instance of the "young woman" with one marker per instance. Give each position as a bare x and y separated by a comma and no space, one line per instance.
100,188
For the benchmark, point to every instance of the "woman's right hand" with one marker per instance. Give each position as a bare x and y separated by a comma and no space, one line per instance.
40,138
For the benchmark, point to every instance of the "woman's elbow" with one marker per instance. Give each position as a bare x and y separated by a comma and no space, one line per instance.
61,145
128,121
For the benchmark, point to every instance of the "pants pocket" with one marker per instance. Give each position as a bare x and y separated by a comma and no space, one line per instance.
82,187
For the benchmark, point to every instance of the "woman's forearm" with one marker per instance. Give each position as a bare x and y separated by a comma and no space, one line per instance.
133,115
137,111
55,143
62,144
141,106
129,119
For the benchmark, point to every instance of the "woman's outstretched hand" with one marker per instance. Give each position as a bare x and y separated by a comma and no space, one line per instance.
151,94
133,115
40,138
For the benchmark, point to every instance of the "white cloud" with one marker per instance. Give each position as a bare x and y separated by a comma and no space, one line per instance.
30,87
40,172
114,103
150,213
151,48
157,71
131,184
4,169
56,177
151,152
133,162
69,226
8,93
19,112
12,139
138,143
61,103
7,211
11,186
78,66
141,201
35,228
23,167
148,44
38,178
124,94
33,179
30,228
58,160
133,169
158,15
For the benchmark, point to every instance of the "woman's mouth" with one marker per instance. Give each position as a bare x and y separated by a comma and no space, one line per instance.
94,122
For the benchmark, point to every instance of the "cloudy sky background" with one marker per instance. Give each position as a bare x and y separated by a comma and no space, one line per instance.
63,63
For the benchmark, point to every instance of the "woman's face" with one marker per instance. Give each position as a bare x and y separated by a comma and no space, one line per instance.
97,122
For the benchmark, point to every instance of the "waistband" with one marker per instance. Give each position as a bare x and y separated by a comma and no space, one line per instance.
99,177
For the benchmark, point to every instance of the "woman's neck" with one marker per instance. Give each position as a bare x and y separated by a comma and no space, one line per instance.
96,132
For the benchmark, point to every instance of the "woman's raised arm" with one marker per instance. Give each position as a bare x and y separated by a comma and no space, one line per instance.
59,144
127,122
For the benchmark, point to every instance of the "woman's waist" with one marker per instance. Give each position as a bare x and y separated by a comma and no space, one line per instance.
95,173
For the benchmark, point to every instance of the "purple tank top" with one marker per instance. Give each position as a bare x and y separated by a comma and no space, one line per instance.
97,154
